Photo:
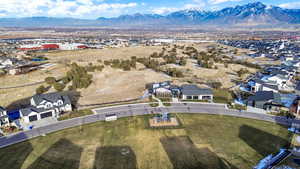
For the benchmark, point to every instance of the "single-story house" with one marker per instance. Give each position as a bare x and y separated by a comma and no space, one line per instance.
193,92
44,106
4,120
267,100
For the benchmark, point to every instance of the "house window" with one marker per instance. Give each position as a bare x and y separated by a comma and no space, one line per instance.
45,115
59,102
48,105
195,97
33,118
206,97
189,97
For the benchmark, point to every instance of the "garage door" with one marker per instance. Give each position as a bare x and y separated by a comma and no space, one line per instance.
47,114
33,118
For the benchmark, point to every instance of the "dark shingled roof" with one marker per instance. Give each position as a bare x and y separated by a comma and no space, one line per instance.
275,87
265,96
2,109
51,97
195,90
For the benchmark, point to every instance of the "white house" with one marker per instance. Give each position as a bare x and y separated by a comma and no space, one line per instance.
259,85
163,92
278,79
45,106
193,92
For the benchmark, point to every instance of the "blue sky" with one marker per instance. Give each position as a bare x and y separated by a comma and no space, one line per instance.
91,9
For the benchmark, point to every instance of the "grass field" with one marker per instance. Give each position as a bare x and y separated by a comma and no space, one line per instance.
204,142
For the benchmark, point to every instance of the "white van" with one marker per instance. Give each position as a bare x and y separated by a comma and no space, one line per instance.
111,117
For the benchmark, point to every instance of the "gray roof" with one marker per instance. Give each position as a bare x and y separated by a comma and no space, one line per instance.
275,87
265,96
257,80
3,117
51,97
195,90
2,109
28,110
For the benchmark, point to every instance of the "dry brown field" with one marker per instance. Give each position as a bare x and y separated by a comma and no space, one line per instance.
114,84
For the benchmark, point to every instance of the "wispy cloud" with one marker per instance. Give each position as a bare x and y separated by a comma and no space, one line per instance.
291,5
62,8
196,4
163,10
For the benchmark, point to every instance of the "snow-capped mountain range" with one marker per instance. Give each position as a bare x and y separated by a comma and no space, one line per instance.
252,14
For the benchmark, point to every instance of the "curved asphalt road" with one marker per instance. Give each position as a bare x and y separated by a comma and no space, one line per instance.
135,110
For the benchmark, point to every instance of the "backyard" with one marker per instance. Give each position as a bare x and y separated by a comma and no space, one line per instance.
204,141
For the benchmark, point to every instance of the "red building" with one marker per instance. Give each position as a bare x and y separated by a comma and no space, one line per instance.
50,46
82,47
30,48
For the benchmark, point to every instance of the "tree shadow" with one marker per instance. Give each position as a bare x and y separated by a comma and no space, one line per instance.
260,140
61,155
184,154
115,157
19,104
14,156
74,97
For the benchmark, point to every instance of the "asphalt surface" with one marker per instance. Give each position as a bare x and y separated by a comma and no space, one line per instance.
135,110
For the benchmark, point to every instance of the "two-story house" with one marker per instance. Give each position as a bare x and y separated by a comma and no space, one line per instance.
44,106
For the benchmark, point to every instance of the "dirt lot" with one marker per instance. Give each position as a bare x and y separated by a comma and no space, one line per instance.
113,84
8,96
92,55
222,74
116,85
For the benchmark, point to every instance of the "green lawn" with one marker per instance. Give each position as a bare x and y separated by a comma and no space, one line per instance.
74,114
203,142
222,96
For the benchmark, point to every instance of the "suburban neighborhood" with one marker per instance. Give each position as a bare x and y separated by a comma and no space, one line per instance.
195,84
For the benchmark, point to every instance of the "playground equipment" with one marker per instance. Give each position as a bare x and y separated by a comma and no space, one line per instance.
163,119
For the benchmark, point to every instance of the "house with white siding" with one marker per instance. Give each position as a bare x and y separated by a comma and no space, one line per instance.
193,92
45,106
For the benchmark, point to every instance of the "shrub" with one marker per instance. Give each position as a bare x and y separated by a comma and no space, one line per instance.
242,71
226,65
182,62
50,80
65,80
41,89
79,76
59,87
174,72
216,85
154,55
107,63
